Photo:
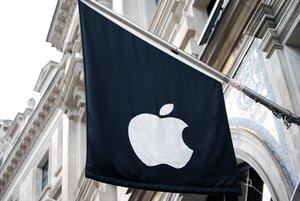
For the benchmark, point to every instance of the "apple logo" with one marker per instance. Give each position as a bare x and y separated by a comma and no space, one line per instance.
158,140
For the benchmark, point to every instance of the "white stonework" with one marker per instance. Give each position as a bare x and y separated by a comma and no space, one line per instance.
256,42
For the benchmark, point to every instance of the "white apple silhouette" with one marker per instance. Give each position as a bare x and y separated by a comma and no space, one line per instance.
159,140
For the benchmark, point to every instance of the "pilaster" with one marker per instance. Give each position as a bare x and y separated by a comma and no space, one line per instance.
68,158
282,97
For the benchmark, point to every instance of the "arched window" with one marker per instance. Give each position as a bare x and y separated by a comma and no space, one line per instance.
256,160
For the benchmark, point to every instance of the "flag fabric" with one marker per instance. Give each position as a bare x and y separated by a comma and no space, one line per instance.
153,122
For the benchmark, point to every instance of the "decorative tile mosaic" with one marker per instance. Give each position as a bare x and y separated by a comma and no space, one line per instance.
245,112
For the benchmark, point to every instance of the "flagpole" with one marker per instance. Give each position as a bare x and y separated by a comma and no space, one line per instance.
280,112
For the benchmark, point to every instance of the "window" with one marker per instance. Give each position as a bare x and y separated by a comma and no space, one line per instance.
252,185
44,175
214,10
210,6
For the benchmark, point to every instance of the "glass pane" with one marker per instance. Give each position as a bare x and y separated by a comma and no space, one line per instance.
45,175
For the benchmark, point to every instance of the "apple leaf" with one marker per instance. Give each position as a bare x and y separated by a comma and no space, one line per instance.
166,109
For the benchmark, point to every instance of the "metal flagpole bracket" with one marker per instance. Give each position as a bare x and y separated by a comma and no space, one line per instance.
279,112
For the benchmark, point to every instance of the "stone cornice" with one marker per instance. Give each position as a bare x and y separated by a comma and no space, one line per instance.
271,42
272,22
287,16
73,103
30,133
261,21
60,23
263,25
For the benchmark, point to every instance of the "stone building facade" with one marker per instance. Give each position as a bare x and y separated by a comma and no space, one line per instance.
42,151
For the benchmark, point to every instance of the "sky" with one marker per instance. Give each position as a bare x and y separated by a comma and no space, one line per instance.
23,51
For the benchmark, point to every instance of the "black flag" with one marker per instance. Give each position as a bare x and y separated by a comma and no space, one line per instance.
153,122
